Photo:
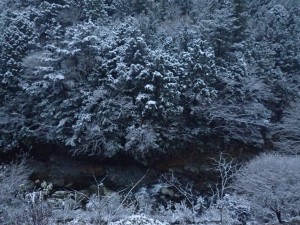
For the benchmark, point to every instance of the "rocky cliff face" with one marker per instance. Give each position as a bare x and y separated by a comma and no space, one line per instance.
65,171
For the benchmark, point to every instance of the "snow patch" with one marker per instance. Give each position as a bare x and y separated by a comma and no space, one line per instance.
138,220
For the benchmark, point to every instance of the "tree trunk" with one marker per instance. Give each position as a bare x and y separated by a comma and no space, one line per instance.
278,215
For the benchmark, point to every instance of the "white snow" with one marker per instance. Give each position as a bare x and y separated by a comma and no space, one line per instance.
138,220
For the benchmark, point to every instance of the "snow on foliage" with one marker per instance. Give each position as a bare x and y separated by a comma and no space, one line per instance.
141,140
185,70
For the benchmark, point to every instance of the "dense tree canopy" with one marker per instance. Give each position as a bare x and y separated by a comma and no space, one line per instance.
138,77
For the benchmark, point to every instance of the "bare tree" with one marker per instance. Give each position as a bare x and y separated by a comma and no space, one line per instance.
272,182
226,169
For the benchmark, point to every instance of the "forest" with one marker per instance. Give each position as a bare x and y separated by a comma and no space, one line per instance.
193,104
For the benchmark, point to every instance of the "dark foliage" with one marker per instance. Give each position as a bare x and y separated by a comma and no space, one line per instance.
104,77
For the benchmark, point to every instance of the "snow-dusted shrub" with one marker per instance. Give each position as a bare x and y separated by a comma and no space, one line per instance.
234,210
178,213
13,178
144,202
14,209
35,214
109,208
